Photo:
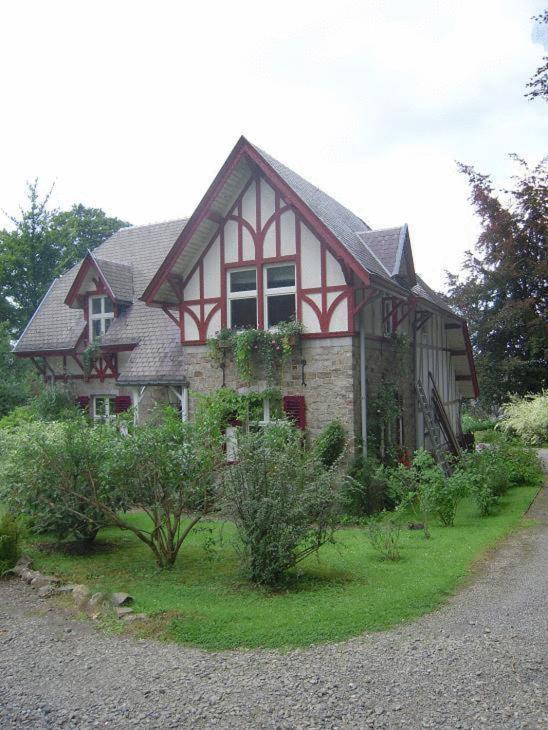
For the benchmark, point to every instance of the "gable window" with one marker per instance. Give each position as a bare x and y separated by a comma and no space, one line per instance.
242,298
104,407
101,314
279,288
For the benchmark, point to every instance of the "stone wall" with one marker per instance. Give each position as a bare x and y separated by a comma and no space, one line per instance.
330,390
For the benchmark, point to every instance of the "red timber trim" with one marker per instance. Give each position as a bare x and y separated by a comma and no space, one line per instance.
202,211
74,291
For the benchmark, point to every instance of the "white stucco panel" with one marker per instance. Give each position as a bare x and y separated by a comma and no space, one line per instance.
191,330
310,259
287,233
269,243
192,289
248,247
339,318
214,324
231,241
268,202
249,206
212,271
335,275
309,319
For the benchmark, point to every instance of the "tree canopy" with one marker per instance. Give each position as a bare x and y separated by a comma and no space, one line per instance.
503,290
42,244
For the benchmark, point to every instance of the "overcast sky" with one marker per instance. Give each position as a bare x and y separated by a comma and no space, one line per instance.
133,106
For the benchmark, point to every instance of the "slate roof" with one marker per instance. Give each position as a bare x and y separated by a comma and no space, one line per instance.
137,251
119,277
422,290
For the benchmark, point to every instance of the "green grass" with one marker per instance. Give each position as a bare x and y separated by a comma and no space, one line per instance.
203,601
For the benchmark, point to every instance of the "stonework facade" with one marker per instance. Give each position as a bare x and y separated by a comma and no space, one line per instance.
329,376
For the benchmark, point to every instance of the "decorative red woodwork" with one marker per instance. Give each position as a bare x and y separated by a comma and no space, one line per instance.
294,407
195,308
241,149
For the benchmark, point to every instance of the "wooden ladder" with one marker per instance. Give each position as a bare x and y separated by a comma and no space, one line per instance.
432,428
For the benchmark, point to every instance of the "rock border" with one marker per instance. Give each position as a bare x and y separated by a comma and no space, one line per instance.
93,605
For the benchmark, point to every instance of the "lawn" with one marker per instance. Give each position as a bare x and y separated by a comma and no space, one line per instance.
203,601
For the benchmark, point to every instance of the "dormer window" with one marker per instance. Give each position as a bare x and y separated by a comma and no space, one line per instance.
101,314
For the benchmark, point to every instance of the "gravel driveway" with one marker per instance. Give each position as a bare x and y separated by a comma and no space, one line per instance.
476,663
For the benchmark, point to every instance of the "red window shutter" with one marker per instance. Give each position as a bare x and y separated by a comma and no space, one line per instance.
83,402
294,406
122,403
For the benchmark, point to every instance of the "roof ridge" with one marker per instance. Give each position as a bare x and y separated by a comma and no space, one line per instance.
150,225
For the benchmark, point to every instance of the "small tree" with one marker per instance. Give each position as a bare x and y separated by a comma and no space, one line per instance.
285,504
169,472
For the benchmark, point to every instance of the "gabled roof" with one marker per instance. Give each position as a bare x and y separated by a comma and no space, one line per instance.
116,278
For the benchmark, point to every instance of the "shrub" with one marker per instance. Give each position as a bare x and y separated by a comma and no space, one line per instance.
366,488
528,418
425,488
330,444
471,423
9,543
18,417
283,501
49,470
55,403
384,536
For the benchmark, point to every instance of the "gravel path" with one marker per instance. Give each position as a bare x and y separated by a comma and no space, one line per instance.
476,663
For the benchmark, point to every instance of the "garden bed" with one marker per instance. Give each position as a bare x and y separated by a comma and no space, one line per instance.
203,600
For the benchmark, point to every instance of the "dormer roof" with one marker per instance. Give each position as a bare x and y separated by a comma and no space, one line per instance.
114,277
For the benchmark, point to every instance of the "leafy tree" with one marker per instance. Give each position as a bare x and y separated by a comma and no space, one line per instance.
16,375
539,82
43,243
504,292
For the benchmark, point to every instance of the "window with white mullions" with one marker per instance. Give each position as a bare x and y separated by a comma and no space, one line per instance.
104,407
279,287
242,298
101,314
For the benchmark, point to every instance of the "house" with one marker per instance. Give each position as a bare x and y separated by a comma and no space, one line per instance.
129,324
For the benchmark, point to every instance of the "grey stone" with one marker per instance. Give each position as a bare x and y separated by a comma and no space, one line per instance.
81,594
95,604
121,599
130,618
122,611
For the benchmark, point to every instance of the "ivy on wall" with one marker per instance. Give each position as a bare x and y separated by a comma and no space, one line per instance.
269,349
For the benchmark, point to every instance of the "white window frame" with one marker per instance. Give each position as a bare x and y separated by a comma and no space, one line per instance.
101,316
277,291
108,416
251,294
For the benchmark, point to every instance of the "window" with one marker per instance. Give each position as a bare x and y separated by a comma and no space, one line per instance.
101,314
104,407
279,294
242,298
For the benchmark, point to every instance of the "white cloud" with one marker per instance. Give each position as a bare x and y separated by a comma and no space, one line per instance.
132,106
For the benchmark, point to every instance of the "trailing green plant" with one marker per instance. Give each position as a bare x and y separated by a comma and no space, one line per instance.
330,444
225,406
10,538
527,417
384,534
270,349
90,355
283,501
